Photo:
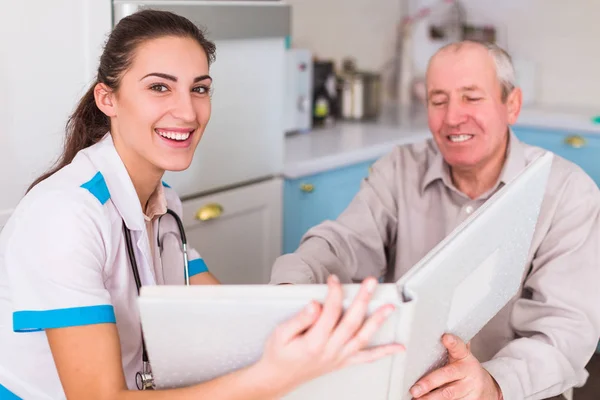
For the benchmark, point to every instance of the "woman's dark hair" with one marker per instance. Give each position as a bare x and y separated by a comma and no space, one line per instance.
87,125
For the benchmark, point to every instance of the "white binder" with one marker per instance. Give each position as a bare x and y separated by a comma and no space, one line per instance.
194,334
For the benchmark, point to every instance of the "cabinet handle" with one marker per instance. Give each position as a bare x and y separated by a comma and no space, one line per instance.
575,141
307,187
209,211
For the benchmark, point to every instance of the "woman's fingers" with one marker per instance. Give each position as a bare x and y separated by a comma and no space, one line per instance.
355,316
368,329
330,314
299,323
374,354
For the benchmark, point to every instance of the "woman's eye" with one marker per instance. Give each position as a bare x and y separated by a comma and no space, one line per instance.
158,88
201,89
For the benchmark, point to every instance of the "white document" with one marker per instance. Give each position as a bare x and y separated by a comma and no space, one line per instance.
195,334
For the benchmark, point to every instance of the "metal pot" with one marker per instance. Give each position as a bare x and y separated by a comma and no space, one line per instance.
360,93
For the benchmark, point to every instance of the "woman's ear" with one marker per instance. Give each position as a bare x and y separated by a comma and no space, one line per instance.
105,99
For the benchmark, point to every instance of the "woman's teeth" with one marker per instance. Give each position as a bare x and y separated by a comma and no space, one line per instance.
459,138
174,135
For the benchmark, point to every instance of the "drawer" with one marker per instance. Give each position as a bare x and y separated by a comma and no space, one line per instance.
310,200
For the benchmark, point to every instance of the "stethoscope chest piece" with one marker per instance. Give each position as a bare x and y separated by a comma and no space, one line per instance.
144,379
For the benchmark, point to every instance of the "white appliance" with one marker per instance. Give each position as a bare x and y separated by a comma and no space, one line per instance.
243,141
298,95
232,192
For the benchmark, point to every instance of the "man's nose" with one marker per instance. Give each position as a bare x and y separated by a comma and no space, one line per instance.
455,114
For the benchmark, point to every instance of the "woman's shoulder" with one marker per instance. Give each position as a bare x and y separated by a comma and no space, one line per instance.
76,193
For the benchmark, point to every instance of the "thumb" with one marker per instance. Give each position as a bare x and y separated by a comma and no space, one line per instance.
457,349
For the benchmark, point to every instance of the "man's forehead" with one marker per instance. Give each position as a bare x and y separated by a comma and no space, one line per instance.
467,67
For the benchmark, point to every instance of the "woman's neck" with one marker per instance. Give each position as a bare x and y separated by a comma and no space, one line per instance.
144,175
144,182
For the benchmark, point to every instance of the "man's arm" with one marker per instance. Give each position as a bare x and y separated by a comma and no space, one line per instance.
355,245
558,325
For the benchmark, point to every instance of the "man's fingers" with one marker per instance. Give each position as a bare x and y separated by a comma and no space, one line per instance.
438,378
454,391
457,349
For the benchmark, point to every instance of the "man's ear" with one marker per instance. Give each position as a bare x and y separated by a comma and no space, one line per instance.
105,99
513,105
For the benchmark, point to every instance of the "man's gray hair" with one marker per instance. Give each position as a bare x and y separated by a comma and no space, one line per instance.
505,71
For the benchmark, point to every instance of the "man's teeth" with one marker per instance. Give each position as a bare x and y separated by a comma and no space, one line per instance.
174,135
459,138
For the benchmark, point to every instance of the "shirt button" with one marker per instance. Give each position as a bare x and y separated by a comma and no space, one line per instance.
469,209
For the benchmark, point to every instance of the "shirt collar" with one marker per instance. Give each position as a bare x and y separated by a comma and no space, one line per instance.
122,192
515,161
157,204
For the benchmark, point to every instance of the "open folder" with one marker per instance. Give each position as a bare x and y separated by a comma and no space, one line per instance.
195,334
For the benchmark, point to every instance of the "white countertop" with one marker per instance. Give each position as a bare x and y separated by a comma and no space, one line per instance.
348,143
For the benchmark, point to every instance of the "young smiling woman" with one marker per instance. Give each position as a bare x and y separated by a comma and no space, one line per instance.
69,307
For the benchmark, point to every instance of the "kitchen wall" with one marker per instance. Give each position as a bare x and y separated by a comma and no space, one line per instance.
559,38
334,29
36,97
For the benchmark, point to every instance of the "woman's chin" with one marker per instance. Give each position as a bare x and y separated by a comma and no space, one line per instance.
176,165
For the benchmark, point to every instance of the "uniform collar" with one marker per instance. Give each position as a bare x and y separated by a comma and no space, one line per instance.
438,169
157,204
122,192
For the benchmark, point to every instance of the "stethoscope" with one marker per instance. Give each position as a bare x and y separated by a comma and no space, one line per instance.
144,379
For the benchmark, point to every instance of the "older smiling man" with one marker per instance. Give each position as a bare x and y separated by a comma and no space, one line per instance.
538,345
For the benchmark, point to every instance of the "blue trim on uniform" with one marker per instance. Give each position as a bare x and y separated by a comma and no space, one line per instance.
97,187
197,266
33,321
165,184
6,394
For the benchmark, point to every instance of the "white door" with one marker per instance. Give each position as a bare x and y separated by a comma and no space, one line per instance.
238,231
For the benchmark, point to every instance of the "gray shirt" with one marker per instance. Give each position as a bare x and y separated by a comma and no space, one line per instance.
537,346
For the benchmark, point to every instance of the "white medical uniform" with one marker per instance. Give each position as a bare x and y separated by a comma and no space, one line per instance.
63,262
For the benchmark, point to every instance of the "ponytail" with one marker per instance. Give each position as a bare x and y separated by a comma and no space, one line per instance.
85,127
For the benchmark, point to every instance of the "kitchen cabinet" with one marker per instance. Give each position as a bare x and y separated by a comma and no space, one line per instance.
313,199
581,148
237,231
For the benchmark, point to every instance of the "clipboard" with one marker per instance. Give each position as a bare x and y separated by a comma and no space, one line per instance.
197,333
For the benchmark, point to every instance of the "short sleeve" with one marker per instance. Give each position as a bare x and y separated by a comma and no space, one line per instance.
196,264
55,259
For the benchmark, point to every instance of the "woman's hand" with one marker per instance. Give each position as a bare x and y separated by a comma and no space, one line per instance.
316,342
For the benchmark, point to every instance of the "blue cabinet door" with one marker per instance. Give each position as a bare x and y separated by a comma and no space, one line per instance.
313,199
581,148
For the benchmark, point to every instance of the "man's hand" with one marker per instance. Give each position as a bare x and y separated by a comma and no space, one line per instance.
462,378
